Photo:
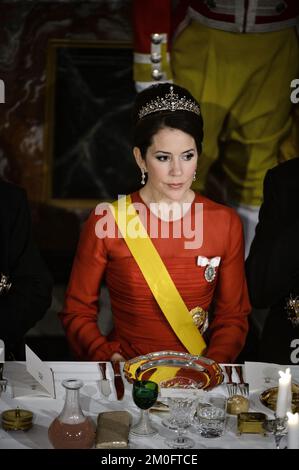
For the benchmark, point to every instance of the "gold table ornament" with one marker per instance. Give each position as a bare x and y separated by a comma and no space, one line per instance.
251,423
17,420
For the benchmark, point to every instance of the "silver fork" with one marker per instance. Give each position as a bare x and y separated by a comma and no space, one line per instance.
3,382
242,386
231,386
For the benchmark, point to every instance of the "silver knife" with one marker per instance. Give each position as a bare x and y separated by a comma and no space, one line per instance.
118,381
105,385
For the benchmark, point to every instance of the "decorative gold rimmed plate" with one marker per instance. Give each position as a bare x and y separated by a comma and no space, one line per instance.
269,398
161,365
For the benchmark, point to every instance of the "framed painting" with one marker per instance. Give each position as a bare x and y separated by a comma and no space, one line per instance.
89,98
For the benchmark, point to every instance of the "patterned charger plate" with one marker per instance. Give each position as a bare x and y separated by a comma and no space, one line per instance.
163,365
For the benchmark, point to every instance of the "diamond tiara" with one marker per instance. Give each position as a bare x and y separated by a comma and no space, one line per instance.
171,102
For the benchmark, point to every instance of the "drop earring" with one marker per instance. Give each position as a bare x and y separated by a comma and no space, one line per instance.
142,176
194,176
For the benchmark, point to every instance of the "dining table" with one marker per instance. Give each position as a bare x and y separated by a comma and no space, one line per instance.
24,392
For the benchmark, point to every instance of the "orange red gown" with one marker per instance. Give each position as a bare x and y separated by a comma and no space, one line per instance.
139,325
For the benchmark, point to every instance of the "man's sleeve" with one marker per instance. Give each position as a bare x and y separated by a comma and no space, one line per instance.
30,294
272,266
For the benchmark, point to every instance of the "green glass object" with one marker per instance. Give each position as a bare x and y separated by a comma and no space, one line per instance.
145,394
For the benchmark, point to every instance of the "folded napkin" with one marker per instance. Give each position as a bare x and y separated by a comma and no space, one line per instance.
113,430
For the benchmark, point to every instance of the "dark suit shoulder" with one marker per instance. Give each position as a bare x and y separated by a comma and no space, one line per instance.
11,197
286,171
11,191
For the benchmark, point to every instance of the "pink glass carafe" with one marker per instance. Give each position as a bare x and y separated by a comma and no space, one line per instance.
71,429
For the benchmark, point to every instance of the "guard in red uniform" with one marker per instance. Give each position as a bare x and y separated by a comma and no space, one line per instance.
238,59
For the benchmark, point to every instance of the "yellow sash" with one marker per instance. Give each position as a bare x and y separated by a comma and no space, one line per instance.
157,277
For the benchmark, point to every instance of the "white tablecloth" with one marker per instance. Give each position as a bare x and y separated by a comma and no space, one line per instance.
45,409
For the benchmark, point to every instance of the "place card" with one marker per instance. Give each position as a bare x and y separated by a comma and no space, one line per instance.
40,371
22,384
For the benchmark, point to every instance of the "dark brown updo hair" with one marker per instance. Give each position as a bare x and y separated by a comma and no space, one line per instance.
146,127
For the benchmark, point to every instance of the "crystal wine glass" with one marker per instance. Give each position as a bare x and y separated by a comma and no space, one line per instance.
182,401
145,394
277,427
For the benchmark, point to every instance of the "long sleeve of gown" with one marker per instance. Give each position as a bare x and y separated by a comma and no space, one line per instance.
80,312
229,325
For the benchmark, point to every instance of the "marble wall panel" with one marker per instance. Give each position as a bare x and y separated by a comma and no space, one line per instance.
27,28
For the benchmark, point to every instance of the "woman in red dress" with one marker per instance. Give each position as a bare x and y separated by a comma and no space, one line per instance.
198,242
